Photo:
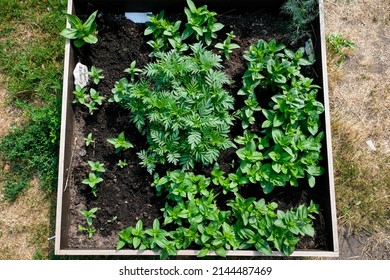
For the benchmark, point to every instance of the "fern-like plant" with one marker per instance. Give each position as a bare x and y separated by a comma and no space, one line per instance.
301,13
182,107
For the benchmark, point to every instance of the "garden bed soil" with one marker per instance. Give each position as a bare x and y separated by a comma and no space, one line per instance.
126,195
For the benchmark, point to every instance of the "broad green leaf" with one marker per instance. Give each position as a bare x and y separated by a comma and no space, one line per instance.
120,244
91,39
79,43
221,252
191,5
69,33
203,252
91,19
217,26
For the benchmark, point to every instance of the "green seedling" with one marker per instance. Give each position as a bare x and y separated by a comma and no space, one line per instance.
88,140
90,100
227,46
133,71
113,219
80,95
96,97
97,166
89,215
120,143
122,163
93,180
81,32
90,230
95,74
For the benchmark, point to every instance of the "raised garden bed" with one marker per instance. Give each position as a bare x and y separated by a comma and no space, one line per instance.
126,194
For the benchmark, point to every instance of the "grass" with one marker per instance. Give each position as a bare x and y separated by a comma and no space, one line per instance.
31,58
33,71
360,98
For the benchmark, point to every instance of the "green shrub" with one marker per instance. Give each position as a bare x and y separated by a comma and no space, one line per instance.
182,107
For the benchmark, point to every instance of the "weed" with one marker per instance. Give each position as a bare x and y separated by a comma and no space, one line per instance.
339,47
133,71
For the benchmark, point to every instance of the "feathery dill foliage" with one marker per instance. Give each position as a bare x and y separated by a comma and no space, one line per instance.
302,14
181,105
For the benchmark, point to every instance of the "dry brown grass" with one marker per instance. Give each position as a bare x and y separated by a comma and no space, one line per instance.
360,111
24,225
8,114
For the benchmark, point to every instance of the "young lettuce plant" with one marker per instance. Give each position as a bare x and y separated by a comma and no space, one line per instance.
81,32
120,143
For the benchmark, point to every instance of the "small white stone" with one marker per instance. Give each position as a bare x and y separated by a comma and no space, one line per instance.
371,145
80,75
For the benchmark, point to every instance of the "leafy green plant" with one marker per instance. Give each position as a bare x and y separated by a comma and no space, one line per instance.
164,33
291,141
89,215
339,46
153,238
194,217
227,46
120,143
122,163
96,166
96,75
90,100
88,140
93,180
182,107
81,32
201,22
80,95
301,13
133,71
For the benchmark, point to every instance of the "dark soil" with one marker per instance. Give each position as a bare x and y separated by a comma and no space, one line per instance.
126,194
